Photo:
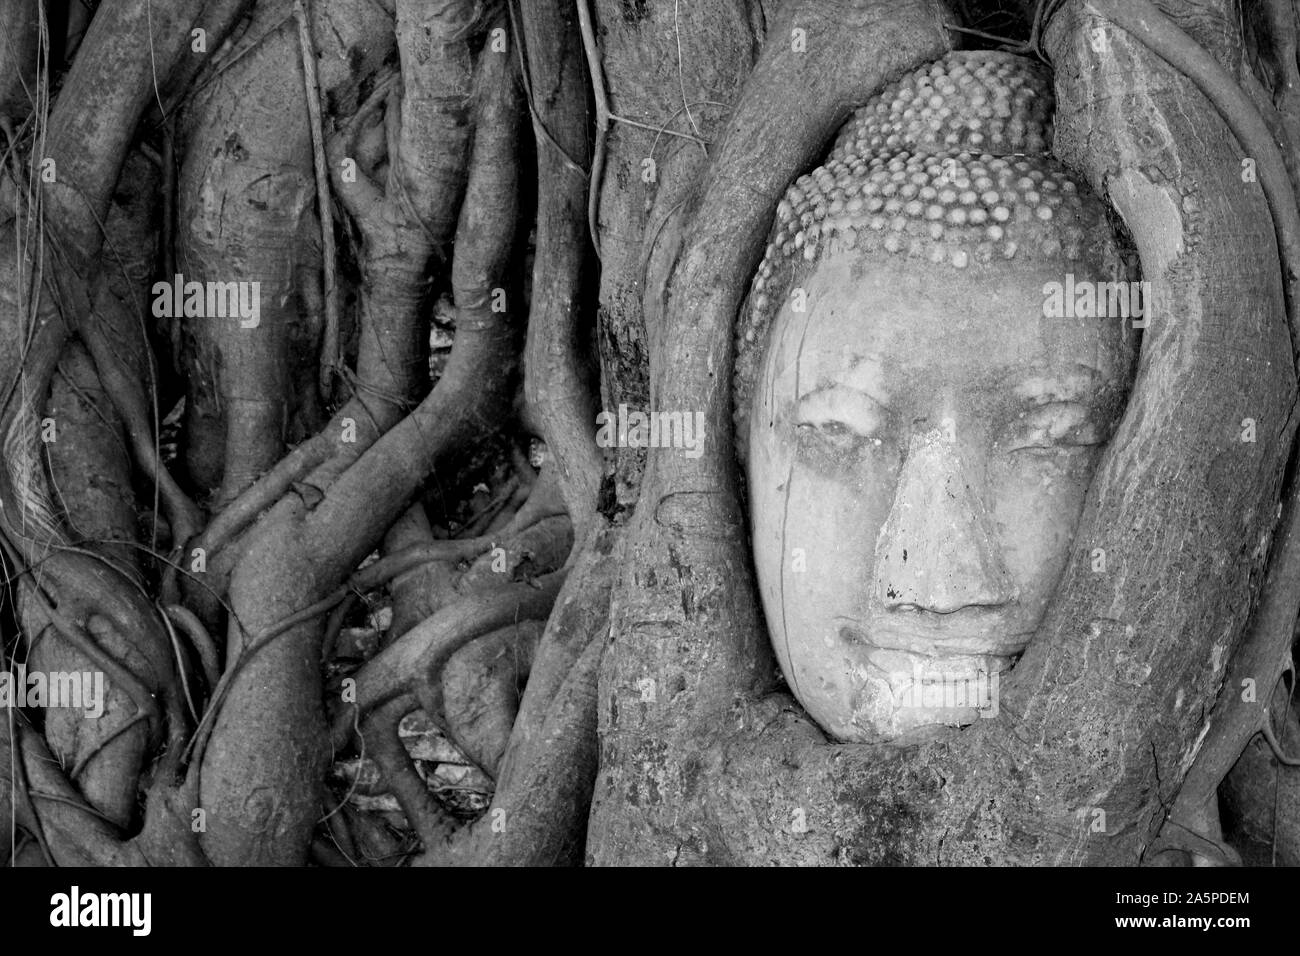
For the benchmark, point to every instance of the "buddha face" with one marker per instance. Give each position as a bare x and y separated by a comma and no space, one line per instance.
921,441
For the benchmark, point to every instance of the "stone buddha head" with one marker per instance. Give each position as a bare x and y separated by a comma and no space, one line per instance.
918,430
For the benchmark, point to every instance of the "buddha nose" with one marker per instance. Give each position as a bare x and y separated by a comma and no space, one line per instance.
935,551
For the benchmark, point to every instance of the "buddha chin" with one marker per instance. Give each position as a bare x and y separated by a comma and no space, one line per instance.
919,453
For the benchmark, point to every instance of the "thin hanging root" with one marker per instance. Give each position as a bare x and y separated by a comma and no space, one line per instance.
1276,746
173,570
199,742
604,116
199,639
356,780
129,399
329,357
596,72
181,676
555,382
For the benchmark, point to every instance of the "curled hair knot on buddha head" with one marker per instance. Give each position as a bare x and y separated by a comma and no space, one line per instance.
948,167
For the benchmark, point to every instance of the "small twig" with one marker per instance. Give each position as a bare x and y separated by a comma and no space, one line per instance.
1012,45
663,130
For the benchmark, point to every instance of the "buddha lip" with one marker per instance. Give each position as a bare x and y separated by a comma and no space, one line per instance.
949,642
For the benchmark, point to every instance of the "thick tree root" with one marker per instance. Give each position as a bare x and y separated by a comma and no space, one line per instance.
556,382
421,652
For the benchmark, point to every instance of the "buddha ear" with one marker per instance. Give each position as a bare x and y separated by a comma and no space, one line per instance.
745,370
753,328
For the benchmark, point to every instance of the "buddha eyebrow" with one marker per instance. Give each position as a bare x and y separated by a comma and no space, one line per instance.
1081,383
833,387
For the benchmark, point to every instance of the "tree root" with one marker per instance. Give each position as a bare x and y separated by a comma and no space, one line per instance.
1266,648
431,822
1159,34
381,572
478,692
140,694
419,592
74,831
199,639
555,380
538,814
422,651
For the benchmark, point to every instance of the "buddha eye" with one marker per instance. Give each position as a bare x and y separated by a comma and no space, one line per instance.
837,434
1055,425
840,414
